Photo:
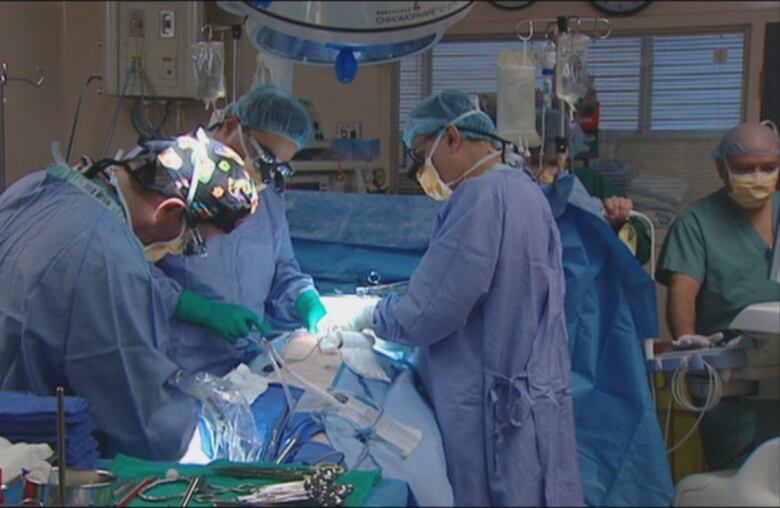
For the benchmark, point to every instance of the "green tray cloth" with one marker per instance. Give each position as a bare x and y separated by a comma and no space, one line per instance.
129,468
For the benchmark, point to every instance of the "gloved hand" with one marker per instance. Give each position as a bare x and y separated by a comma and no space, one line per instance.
349,312
696,341
310,308
229,321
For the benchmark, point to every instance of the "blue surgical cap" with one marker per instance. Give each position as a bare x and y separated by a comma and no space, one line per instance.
748,138
271,109
438,110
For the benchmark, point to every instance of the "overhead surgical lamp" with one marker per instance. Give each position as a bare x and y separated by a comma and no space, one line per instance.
346,34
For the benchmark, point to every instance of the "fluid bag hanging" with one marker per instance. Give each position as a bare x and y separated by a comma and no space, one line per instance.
571,69
208,59
516,104
273,71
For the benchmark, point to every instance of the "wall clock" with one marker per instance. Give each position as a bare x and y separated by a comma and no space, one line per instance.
510,5
620,8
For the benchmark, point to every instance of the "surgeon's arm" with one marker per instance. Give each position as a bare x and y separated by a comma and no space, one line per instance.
681,304
114,353
681,267
455,273
286,301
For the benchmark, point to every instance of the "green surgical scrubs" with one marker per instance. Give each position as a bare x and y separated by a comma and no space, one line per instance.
715,244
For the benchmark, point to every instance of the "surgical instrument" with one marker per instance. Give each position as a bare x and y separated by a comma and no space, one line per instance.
291,442
295,473
136,490
122,488
192,488
380,289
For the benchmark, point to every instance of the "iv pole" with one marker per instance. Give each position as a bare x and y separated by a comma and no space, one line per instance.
554,27
4,79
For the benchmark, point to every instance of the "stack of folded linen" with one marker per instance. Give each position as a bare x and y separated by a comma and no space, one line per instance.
29,418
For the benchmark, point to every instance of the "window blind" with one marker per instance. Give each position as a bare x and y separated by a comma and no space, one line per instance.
697,82
615,64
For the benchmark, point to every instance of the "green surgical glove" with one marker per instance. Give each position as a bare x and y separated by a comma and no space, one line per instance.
229,321
310,308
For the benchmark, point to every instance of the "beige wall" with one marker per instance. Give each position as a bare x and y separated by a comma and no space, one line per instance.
30,36
35,117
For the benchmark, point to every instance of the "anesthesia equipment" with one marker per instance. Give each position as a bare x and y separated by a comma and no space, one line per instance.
746,362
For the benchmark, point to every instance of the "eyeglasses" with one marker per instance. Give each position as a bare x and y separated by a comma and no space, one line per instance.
415,160
271,170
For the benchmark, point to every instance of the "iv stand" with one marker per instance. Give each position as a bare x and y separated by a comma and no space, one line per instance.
554,27
4,79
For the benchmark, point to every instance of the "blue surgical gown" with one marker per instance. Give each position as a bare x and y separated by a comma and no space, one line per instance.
81,308
486,308
254,266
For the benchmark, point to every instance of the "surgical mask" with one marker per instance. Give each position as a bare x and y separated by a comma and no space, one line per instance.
751,191
429,178
158,250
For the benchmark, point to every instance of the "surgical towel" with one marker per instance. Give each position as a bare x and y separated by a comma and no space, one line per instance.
29,418
27,407
128,468
610,307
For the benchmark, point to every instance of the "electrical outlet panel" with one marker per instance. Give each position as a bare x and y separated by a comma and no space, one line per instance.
155,40
348,130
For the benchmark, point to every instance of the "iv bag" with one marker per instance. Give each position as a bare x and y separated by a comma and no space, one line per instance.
516,102
571,69
273,71
209,62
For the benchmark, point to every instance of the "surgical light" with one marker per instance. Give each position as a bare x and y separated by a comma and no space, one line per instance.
346,34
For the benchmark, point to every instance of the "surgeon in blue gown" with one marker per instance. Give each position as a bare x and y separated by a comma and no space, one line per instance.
82,308
255,265
486,308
